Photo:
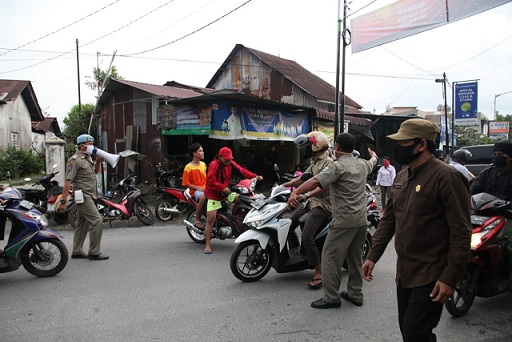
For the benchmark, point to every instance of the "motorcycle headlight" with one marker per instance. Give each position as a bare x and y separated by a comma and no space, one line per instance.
40,218
480,237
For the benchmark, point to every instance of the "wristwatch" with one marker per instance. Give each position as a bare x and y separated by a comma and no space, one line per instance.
63,201
306,195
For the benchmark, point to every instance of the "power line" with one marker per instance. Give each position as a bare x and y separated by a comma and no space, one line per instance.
62,28
191,33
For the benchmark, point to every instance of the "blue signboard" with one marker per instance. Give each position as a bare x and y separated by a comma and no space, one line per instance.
466,104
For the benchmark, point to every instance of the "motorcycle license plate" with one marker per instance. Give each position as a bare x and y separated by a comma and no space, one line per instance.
478,220
26,204
258,203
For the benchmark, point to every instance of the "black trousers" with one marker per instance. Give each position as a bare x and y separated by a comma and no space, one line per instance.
418,315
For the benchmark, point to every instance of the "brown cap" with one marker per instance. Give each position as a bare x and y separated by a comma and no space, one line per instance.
416,128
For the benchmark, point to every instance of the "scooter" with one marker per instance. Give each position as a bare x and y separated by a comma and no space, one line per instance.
30,243
487,274
47,199
227,225
264,246
121,207
172,200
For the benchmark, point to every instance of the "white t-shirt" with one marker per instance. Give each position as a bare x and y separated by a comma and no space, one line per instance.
462,169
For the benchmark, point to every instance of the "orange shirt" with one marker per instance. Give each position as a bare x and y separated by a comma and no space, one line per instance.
194,175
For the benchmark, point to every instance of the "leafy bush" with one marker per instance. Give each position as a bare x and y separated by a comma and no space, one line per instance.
20,163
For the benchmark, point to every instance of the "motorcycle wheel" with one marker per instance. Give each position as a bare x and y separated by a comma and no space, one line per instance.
366,248
73,216
60,218
249,262
143,213
465,292
196,237
162,207
45,258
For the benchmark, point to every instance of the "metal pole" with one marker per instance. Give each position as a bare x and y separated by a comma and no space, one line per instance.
446,116
453,116
342,116
337,96
78,73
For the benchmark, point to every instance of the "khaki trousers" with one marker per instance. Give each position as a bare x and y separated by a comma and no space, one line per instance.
89,220
341,244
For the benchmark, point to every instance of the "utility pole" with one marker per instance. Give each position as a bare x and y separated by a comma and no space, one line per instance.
78,73
447,140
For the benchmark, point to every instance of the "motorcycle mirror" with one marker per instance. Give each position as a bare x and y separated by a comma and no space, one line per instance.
305,176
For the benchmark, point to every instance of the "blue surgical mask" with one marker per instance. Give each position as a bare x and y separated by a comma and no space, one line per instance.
499,161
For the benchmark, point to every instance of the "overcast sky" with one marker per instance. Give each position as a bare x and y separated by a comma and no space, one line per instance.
187,41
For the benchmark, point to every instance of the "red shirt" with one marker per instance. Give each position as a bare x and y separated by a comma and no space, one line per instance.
219,176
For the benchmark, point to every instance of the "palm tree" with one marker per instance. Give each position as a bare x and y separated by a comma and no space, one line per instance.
100,77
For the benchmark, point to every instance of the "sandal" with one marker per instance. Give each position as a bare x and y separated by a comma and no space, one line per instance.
315,284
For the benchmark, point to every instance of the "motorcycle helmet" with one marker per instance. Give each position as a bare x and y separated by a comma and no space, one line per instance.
317,140
439,154
461,156
82,139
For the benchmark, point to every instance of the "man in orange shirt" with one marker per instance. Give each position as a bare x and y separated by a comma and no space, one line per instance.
194,178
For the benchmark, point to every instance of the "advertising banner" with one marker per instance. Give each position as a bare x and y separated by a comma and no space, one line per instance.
499,129
466,104
405,18
232,122
185,120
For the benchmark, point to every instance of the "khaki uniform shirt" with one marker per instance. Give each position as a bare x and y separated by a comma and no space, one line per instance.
347,179
80,170
318,164
428,212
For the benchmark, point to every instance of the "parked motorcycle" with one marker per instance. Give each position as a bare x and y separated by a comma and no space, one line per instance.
227,225
30,242
487,274
265,245
121,204
47,200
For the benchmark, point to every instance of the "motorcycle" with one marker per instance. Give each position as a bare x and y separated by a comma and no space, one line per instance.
121,204
265,245
227,225
487,274
47,200
172,199
30,242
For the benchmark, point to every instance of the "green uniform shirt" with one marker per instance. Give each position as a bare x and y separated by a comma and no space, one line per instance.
347,179
80,170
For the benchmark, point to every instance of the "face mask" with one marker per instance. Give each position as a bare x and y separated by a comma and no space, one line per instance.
404,154
499,161
385,163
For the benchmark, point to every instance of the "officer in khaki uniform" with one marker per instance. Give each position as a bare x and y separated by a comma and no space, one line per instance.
80,172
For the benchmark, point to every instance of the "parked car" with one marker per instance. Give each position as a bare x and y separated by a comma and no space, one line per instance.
480,159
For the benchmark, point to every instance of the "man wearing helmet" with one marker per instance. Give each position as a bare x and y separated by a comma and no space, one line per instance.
80,172
319,208
459,159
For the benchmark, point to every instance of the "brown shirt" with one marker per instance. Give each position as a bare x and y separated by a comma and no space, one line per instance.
80,170
429,213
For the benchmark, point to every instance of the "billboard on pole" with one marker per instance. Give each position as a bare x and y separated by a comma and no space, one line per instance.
405,18
466,104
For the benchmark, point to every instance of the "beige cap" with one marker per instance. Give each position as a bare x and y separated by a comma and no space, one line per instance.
416,128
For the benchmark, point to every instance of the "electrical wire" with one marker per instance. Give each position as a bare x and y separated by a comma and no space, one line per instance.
62,28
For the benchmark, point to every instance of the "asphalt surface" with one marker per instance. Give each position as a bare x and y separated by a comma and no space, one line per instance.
159,286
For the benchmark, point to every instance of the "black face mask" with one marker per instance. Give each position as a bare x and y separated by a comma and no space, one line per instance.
499,161
404,154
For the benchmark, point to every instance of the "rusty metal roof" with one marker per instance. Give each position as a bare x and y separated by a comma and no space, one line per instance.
293,71
49,124
323,114
164,91
10,90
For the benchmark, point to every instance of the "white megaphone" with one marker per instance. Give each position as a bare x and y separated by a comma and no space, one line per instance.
112,159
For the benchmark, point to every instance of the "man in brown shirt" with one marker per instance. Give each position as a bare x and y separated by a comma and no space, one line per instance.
428,212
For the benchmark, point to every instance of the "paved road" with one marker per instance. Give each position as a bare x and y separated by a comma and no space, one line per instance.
159,286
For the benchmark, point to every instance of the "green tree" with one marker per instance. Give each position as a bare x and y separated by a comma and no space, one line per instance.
77,121
100,76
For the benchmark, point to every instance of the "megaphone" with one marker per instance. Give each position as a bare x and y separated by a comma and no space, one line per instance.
112,159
